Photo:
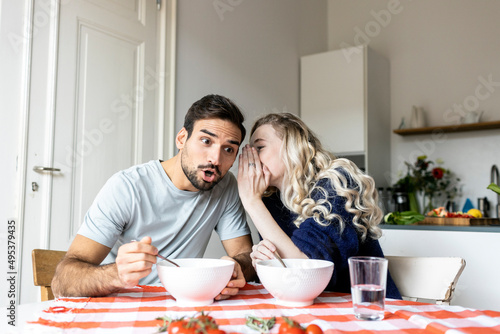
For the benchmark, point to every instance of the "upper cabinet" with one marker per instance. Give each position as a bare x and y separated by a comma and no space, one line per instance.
345,99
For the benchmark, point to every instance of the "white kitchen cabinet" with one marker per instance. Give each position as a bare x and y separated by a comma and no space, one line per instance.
345,99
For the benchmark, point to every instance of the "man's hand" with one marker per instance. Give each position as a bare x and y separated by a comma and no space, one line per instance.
80,273
237,281
134,261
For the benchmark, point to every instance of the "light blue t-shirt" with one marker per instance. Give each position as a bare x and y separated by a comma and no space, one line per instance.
142,201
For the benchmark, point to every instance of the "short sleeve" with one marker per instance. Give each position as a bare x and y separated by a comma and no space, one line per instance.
110,212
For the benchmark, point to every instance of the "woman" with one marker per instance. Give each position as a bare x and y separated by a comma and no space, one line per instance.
305,202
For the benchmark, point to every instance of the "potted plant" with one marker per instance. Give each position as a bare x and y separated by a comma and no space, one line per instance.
431,181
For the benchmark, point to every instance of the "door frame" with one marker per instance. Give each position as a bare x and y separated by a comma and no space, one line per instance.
37,15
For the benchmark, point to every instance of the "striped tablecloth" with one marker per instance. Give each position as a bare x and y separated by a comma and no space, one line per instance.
135,311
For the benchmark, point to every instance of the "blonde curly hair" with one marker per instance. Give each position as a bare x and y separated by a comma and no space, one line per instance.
306,163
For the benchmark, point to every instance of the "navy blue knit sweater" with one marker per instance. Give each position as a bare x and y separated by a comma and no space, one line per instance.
326,242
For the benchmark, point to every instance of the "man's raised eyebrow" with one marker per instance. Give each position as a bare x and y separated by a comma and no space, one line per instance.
234,142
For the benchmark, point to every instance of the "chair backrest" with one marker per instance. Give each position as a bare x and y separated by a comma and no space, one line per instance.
430,278
44,266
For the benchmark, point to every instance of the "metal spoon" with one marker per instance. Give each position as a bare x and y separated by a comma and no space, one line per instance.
162,257
279,258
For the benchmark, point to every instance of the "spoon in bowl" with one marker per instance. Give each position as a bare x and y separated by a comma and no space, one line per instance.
279,258
162,257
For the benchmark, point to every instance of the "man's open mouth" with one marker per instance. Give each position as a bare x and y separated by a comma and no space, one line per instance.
209,175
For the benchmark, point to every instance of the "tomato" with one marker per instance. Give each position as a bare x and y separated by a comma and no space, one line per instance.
190,330
313,329
200,324
178,327
215,331
458,215
290,326
286,329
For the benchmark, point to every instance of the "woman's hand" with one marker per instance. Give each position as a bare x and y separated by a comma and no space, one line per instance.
253,178
264,250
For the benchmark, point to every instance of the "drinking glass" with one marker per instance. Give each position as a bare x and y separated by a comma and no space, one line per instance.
368,284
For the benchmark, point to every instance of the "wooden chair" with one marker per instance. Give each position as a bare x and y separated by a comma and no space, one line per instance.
431,278
44,266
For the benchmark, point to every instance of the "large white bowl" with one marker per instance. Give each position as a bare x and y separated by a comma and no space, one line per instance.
197,281
298,284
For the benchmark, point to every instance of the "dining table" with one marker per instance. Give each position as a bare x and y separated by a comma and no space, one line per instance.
137,309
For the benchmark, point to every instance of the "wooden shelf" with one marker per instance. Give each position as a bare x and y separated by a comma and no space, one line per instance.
449,128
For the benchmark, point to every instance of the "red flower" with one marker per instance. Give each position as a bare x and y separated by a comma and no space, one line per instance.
438,173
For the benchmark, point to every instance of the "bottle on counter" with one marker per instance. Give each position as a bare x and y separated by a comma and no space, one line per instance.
450,206
391,205
382,200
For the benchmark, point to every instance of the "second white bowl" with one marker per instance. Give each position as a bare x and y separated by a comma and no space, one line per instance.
297,285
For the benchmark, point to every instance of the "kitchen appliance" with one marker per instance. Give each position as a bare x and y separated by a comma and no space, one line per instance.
484,206
401,201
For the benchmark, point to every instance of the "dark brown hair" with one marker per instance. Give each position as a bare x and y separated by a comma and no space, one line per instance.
214,107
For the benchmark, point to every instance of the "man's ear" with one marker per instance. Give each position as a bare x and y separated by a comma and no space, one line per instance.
181,138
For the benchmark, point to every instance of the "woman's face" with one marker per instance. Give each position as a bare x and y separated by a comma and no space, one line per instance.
268,145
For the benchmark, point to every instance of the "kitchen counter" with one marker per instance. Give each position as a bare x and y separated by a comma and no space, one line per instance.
455,228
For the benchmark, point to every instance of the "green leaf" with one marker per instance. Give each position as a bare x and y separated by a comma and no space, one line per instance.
403,218
388,218
494,187
409,213
260,324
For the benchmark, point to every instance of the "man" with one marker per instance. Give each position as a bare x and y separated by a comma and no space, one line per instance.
167,206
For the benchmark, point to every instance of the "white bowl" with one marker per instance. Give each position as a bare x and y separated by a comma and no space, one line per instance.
297,285
197,281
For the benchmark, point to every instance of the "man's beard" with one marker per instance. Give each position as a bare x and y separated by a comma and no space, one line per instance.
192,174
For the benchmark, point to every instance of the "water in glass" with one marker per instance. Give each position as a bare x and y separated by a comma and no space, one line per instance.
368,301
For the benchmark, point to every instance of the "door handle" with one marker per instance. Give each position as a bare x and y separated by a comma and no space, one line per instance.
40,169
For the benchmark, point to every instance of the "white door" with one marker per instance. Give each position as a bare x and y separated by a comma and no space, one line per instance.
96,107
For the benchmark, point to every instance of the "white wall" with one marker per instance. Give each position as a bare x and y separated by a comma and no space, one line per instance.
249,53
438,50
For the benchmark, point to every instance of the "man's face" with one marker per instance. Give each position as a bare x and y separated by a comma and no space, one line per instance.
210,152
